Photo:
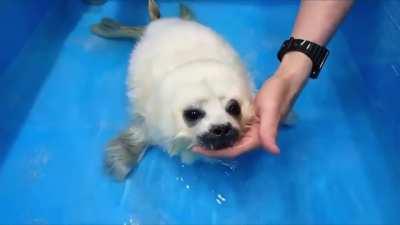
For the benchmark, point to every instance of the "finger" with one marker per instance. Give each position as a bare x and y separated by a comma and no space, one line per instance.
269,143
268,131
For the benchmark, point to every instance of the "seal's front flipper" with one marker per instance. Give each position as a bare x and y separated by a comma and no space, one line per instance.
124,152
109,28
185,12
154,10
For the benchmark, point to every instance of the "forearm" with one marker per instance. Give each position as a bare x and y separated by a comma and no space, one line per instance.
317,21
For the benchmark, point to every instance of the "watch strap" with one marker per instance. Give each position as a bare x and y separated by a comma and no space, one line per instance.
318,54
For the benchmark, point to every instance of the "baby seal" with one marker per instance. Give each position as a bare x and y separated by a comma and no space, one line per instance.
187,87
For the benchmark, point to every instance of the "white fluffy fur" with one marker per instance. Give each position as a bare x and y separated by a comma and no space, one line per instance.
178,63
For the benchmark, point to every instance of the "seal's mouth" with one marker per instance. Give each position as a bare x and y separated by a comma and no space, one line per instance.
216,140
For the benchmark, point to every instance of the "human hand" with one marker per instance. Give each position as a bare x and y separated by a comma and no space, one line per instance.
272,103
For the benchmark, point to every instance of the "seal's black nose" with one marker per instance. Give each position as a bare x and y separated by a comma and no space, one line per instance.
221,130
219,136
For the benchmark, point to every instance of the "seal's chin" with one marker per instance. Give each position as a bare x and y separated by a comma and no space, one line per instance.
216,142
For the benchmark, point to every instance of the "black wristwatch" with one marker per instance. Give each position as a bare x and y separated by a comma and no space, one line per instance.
318,54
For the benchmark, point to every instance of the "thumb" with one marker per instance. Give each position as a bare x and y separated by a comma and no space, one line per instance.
268,131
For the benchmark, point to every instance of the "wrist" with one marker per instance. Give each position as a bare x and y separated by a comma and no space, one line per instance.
295,66
294,70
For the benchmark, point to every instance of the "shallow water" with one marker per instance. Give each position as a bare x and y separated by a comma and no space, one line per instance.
64,99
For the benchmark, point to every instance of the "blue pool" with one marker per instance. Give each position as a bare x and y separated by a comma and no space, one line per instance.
62,98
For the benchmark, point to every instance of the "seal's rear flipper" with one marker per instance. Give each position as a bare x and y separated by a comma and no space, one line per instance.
109,28
185,12
154,10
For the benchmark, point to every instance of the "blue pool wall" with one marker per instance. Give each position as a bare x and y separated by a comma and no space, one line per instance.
373,37
18,20
21,19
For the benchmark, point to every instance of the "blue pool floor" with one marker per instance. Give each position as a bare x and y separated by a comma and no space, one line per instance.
64,99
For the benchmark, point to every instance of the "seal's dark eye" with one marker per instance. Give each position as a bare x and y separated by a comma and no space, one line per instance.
192,115
233,107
